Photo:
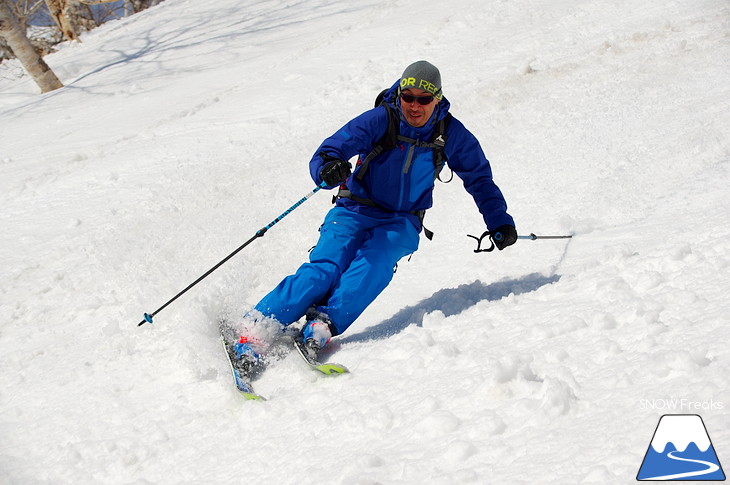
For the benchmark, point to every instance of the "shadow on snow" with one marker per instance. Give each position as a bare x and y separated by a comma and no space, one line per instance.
451,301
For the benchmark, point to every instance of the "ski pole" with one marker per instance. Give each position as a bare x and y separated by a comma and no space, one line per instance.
488,235
148,316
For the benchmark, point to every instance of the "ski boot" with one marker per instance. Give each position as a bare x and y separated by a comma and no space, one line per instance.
247,353
244,357
315,335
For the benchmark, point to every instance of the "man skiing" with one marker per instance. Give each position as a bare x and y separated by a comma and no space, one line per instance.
380,205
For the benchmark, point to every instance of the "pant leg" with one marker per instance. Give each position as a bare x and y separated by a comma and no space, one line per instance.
341,235
291,298
370,272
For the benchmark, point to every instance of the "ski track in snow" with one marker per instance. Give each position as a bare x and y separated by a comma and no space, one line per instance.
183,130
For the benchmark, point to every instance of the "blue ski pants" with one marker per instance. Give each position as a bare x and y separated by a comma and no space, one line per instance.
349,267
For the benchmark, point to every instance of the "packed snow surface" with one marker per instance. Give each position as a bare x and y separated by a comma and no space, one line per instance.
183,130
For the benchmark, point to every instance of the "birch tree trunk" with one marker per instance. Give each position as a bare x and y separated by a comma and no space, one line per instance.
18,41
59,12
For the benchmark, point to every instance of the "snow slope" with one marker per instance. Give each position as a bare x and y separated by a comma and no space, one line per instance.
183,130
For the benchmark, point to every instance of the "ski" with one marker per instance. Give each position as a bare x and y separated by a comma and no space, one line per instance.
326,368
244,372
242,382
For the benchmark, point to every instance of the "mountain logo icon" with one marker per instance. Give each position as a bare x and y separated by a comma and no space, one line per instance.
681,450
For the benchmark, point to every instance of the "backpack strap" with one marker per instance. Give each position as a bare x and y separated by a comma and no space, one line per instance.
388,141
344,193
391,137
439,141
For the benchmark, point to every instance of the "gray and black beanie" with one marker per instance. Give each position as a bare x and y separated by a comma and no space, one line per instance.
422,75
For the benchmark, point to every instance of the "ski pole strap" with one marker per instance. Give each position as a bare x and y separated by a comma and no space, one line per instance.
490,238
480,239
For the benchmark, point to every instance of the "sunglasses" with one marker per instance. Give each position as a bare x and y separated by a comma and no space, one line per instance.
422,100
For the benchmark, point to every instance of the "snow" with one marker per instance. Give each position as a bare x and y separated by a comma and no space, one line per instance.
184,129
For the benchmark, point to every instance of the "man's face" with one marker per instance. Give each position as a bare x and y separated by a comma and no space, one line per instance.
416,113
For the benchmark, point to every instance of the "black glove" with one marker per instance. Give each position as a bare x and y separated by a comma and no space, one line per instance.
334,171
504,236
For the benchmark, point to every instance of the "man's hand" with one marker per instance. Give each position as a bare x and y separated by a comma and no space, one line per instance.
335,171
504,236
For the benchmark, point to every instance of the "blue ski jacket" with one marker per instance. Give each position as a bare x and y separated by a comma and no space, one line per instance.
401,181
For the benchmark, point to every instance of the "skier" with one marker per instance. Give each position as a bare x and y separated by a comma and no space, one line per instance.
379,209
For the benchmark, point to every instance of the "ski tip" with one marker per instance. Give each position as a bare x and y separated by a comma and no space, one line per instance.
247,391
252,396
326,368
332,369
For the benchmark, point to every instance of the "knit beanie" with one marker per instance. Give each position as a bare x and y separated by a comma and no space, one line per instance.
422,75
